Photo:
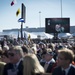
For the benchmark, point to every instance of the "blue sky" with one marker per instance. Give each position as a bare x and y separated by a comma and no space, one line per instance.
48,8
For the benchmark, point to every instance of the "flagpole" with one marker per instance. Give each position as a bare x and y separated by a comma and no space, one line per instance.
21,30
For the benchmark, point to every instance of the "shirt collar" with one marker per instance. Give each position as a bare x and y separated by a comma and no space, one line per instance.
19,62
52,60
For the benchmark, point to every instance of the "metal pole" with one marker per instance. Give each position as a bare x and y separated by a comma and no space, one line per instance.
40,18
61,7
21,30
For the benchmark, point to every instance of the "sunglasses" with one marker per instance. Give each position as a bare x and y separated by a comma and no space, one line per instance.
11,54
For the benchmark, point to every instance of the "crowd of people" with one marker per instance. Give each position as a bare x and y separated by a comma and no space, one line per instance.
22,57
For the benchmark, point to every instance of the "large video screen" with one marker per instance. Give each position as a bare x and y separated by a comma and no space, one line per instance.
57,25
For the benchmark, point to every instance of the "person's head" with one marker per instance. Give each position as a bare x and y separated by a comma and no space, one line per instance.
4,57
32,65
65,57
25,49
49,56
41,45
15,54
43,54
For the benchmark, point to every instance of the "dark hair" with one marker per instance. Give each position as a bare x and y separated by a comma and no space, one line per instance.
24,48
5,53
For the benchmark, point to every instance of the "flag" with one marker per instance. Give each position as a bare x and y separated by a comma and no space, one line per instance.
18,12
20,20
13,2
29,37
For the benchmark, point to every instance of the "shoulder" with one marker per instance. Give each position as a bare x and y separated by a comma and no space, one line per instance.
72,67
57,71
8,65
2,64
42,63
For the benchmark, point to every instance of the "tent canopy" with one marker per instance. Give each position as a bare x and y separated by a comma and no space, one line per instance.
32,36
44,35
64,35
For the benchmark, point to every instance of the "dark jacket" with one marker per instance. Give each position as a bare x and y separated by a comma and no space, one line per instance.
58,71
50,66
9,66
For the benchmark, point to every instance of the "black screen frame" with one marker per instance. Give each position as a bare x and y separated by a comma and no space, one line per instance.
50,24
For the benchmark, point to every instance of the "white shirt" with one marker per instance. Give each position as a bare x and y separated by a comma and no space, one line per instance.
52,60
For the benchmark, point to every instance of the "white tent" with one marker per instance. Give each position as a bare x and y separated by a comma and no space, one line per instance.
64,35
15,34
44,35
48,36
10,35
33,36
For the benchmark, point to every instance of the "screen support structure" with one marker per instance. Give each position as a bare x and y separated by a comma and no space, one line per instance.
55,37
56,34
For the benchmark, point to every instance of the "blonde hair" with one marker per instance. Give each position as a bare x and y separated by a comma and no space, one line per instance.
18,50
32,65
67,53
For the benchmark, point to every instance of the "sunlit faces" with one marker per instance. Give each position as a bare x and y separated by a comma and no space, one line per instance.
13,56
61,60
